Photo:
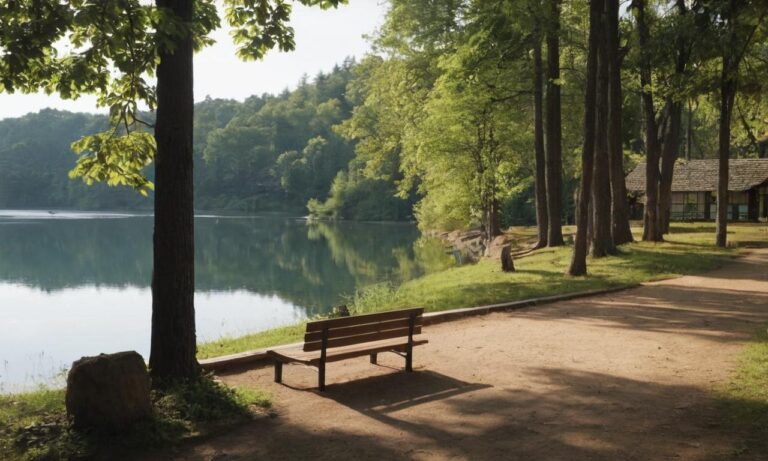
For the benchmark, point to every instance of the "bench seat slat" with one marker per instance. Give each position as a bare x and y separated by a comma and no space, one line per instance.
318,325
340,332
342,353
363,338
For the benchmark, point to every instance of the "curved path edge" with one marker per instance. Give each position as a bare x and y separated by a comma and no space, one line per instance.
259,357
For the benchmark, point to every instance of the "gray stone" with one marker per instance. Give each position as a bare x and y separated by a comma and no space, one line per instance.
109,392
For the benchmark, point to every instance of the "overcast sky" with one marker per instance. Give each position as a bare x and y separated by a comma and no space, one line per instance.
323,38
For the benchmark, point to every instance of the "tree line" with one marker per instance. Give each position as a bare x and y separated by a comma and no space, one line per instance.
267,153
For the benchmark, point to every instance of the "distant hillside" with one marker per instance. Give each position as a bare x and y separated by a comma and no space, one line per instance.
266,153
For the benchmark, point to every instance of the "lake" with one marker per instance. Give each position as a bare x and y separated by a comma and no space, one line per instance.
75,283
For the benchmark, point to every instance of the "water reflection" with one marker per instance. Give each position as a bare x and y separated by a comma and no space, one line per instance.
77,285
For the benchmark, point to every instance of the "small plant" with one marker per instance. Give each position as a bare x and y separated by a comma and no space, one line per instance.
371,298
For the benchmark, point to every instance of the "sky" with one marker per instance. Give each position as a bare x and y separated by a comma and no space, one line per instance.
323,38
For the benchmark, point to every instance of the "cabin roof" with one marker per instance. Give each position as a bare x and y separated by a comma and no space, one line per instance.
701,175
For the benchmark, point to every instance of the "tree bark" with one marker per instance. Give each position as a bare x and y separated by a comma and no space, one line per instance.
602,242
494,219
668,158
620,229
173,348
542,218
554,160
727,95
671,147
579,260
651,231
689,133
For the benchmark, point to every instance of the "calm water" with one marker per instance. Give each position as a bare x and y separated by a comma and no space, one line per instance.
74,284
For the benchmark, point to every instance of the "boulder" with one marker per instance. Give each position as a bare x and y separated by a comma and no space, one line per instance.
497,245
108,392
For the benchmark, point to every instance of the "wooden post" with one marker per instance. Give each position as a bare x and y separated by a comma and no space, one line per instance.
374,358
409,350
278,371
321,374
507,264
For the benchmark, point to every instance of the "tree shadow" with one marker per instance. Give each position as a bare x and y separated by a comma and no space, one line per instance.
269,439
708,313
566,414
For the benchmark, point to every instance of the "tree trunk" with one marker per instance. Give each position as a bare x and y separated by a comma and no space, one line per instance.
689,134
620,229
579,261
173,348
542,218
602,242
494,220
651,231
671,148
668,159
554,160
727,94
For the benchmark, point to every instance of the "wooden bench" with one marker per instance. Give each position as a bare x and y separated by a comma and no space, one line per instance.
356,336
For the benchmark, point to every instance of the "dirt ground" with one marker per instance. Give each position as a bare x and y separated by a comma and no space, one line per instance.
625,376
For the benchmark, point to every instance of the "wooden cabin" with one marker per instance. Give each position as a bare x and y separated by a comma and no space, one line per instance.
694,190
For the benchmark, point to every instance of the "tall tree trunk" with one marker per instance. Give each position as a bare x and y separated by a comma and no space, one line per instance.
620,229
579,260
494,219
668,158
727,95
542,218
671,147
602,242
651,231
554,160
173,349
689,133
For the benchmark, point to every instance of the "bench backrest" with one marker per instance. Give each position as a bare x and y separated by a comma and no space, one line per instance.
357,329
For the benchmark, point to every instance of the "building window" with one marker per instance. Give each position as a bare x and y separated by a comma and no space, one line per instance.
687,206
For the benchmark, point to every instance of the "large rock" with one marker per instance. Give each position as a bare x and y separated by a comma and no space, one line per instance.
497,245
108,392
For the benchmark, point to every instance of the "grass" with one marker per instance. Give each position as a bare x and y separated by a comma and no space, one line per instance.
232,345
34,425
688,249
745,397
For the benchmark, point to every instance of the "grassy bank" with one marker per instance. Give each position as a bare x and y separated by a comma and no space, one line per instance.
34,425
689,249
745,397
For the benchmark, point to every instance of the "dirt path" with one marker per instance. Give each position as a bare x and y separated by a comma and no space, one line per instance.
615,377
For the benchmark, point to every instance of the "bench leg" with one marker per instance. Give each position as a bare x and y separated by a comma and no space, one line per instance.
321,377
374,358
278,372
409,359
